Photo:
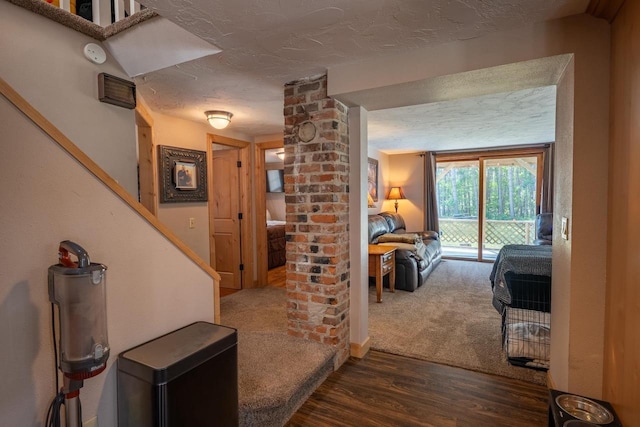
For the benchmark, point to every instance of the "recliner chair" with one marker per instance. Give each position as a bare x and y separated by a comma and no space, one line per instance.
544,229
411,269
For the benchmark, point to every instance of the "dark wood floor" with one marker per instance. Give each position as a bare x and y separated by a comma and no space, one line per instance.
389,390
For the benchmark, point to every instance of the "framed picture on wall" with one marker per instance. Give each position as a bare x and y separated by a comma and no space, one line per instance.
183,175
372,178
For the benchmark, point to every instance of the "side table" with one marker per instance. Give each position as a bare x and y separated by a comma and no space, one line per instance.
382,261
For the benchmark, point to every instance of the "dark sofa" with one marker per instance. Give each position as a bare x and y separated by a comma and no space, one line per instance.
417,253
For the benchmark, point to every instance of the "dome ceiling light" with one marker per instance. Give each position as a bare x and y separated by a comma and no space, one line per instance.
218,119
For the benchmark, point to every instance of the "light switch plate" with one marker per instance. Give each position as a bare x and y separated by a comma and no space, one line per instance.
564,230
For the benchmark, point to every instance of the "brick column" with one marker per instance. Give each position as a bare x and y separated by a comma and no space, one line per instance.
316,175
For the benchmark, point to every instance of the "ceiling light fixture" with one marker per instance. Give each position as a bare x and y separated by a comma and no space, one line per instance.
218,119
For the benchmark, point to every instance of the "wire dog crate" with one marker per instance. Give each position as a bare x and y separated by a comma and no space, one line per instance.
526,321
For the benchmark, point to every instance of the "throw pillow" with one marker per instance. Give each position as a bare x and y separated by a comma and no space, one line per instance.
399,238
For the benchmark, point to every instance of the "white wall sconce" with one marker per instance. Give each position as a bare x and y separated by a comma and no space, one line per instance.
280,155
218,119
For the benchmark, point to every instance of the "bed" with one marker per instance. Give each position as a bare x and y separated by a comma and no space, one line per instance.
523,262
276,243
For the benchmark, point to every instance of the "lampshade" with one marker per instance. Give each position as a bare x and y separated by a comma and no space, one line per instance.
218,119
369,200
280,155
395,193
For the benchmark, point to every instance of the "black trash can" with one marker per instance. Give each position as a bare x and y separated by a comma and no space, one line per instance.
188,377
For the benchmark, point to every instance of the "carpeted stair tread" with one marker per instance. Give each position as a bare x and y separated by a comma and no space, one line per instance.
276,375
272,366
276,372
257,309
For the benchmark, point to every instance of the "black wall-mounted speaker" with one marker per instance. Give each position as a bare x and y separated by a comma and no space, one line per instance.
116,91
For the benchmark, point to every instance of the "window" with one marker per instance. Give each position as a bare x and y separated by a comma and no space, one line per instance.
487,200
275,181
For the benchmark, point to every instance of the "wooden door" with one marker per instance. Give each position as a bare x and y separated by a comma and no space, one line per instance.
226,217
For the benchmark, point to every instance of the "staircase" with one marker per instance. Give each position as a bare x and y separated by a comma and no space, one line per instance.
276,375
102,13
99,29
277,372
137,52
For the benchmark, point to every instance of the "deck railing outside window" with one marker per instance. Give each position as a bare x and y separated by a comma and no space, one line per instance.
463,233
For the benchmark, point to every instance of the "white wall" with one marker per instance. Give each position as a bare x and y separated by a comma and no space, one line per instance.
383,181
43,61
406,171
176,132
276,206
580,267
562,249
358,253
152,288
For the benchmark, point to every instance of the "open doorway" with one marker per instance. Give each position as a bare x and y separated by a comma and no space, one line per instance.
276,215
478,199
270,213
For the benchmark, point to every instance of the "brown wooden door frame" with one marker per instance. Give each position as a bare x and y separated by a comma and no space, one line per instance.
245,204
261,207
147,165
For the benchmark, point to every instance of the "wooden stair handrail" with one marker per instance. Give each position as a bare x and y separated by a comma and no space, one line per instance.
39,120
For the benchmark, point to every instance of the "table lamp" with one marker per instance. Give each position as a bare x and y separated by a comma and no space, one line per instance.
396,193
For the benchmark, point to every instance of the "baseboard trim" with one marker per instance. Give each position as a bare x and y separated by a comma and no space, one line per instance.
360,350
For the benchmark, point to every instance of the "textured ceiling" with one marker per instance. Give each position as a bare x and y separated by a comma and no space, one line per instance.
267,43
516,118
159,44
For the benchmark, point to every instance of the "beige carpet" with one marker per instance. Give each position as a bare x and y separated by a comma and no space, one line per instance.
449,320
256,310
276,372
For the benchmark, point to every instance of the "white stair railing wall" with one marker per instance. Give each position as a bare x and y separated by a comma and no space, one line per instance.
102,10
